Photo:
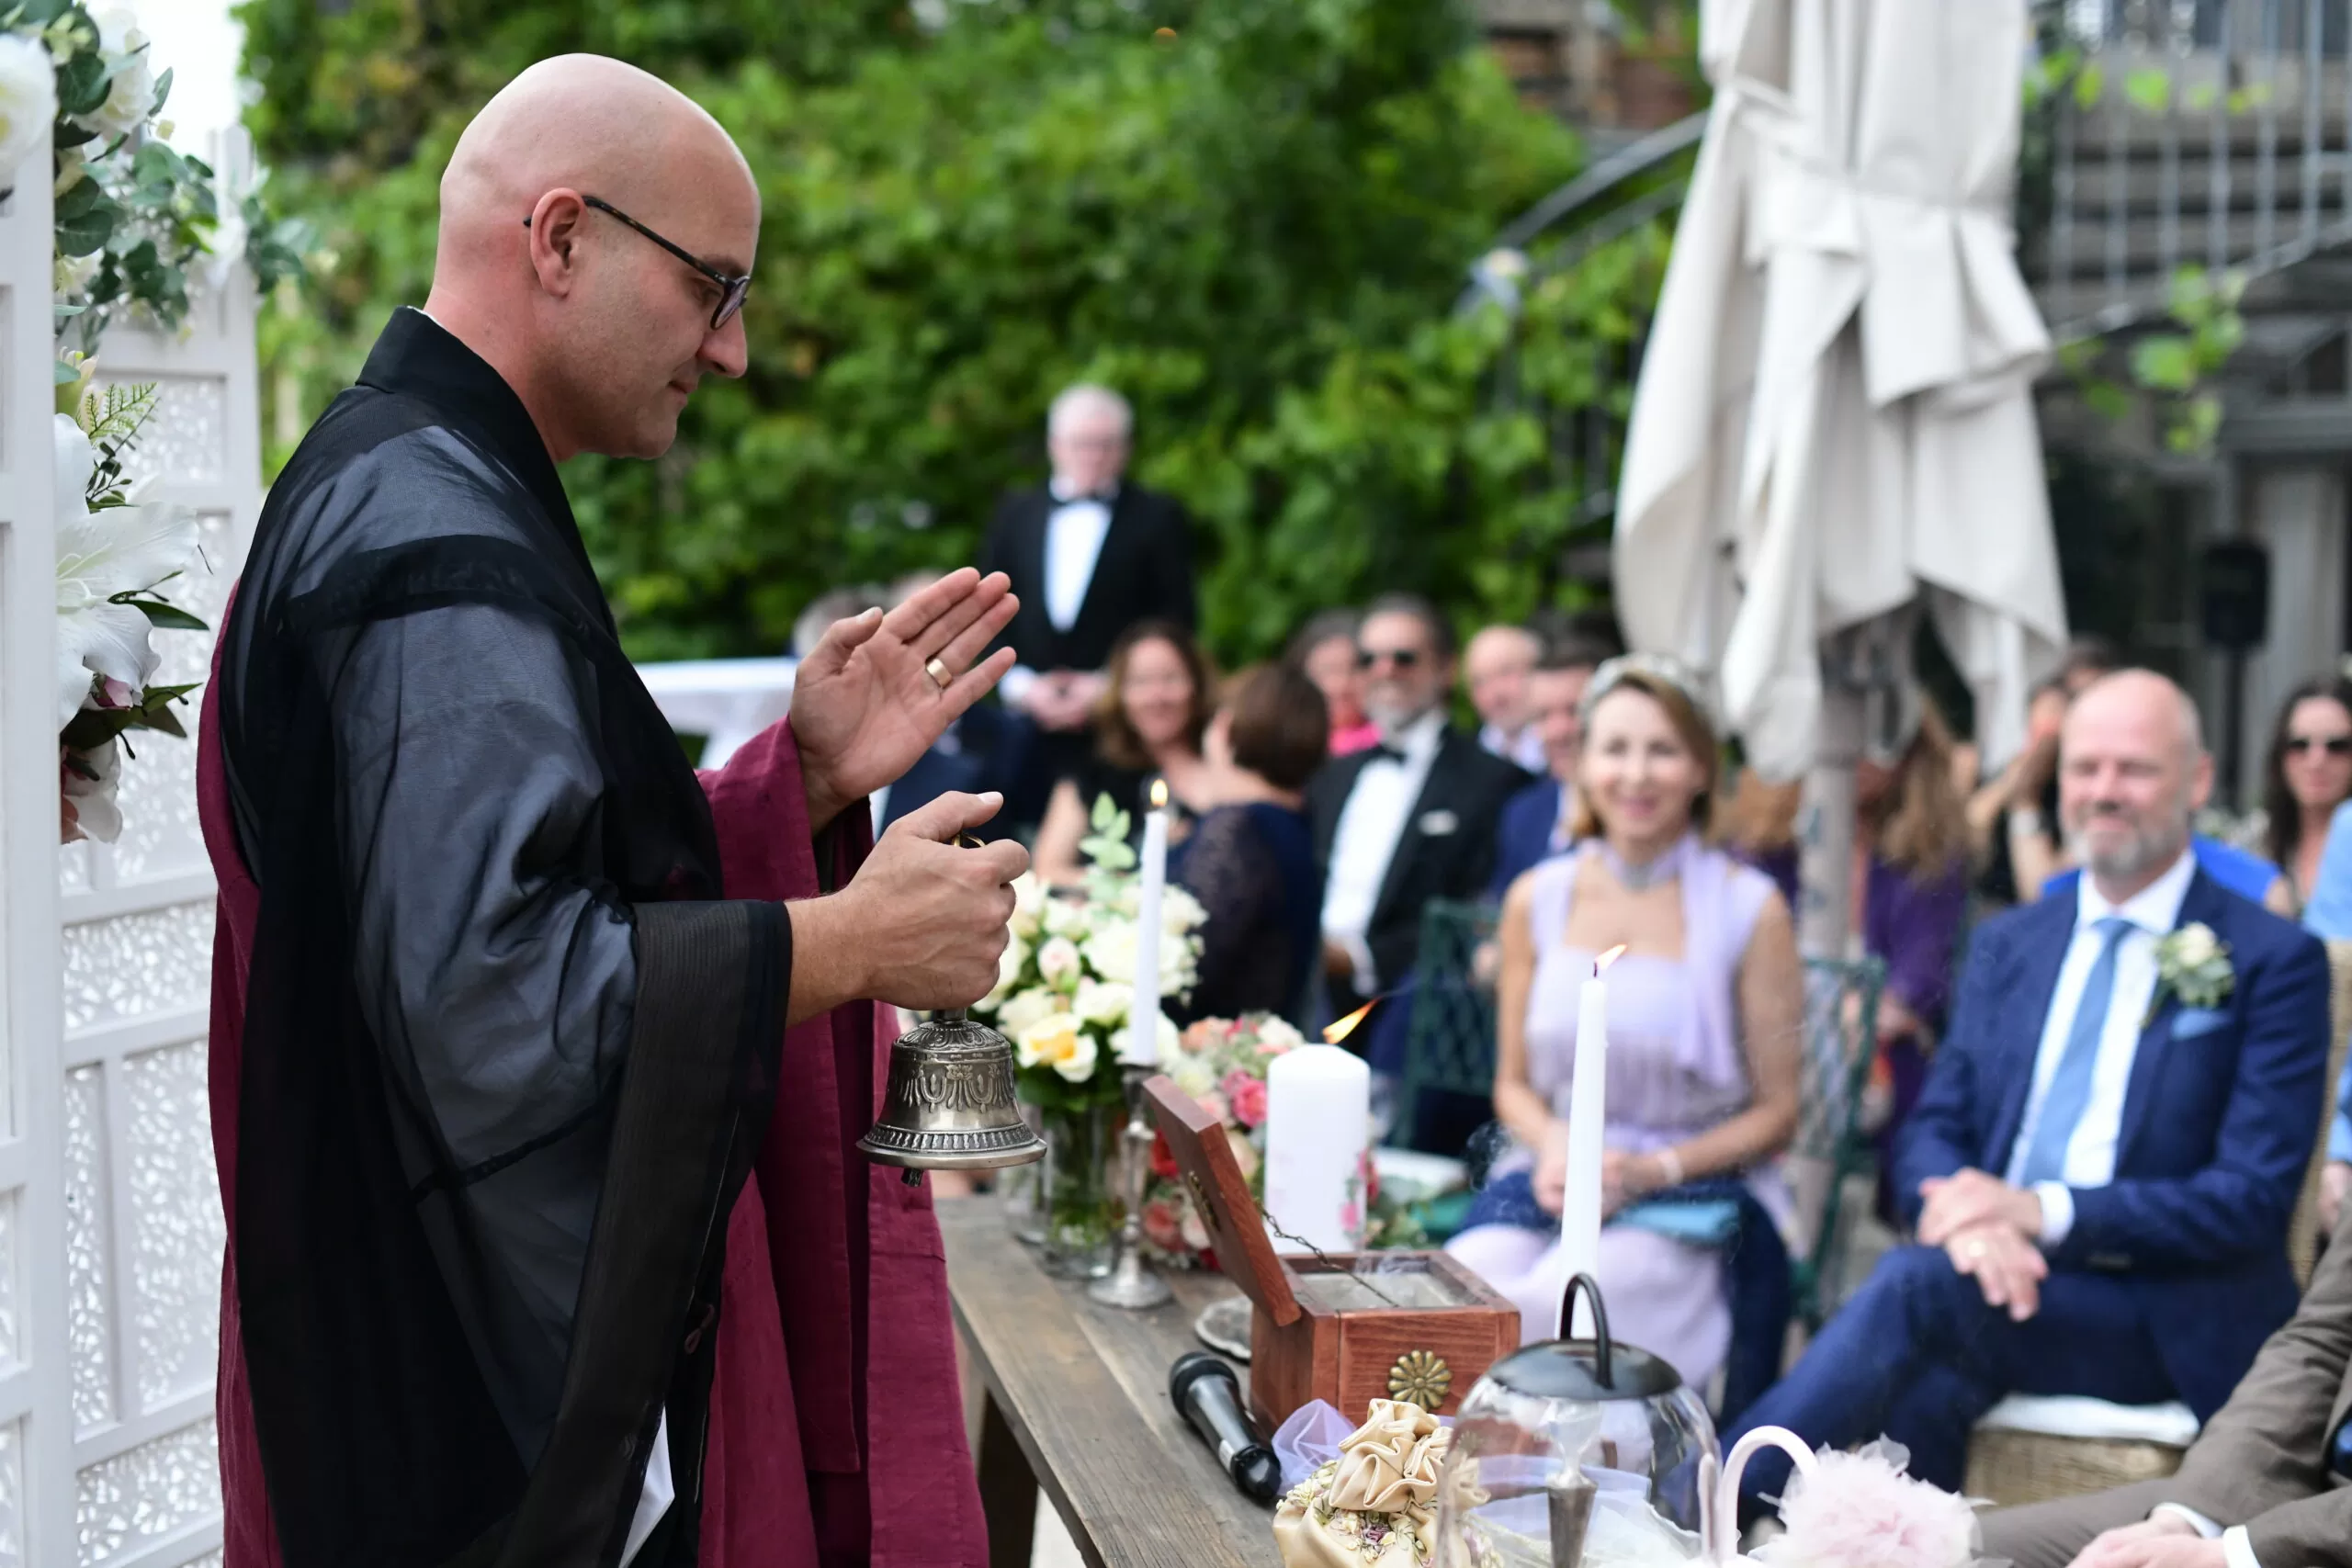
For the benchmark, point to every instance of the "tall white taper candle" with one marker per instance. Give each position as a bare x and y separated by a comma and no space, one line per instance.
1142,1047
1588,1128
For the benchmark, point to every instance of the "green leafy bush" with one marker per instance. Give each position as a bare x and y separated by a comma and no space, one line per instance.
1254,217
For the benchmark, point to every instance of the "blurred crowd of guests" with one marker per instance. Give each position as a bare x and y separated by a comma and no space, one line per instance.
1325,798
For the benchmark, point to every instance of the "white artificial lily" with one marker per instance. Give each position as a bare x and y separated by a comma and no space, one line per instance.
100,554
27,101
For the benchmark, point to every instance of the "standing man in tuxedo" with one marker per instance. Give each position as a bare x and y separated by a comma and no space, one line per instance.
1405,821
1089,554
2267,1484
2111,1139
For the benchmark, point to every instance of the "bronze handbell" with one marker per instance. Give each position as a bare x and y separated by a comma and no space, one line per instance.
950,1104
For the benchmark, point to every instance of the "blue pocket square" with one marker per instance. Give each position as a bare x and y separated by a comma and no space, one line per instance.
2188,1022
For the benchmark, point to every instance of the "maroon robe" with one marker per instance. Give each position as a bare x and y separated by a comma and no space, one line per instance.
836,1420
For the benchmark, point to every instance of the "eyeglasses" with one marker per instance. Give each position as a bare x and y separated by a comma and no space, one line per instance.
2334,745
731,290
1403,658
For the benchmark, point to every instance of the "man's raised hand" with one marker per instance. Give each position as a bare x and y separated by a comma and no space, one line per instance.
864,704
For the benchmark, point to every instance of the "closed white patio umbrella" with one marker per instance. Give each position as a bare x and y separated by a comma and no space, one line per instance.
1834,428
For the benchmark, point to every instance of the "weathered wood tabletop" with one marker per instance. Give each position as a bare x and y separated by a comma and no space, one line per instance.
1077,1405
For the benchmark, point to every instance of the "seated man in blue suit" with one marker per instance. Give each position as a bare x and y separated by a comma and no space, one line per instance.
1534,823
2111,1138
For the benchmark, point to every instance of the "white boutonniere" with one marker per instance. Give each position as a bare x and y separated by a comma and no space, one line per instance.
2193,965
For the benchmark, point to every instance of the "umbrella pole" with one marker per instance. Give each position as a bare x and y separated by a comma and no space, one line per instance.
1826,825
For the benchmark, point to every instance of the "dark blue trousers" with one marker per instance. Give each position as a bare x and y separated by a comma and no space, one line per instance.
1916,1356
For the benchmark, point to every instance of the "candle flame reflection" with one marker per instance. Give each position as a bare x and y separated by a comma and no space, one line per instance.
1160,794
1606,959
1340,1029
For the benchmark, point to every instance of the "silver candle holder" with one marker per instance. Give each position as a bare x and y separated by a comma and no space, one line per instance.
1131,1285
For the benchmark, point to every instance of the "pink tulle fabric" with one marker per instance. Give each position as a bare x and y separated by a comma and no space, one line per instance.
1860,1510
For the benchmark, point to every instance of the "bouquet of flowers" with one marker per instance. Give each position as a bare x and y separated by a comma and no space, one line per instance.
1064,995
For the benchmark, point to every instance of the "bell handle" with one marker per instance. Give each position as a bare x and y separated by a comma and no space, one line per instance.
1601,1352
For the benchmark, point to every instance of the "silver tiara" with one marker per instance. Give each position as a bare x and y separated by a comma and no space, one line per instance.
1658,666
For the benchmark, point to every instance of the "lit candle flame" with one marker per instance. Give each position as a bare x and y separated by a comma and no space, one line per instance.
1160,794
1340,1029
1606,959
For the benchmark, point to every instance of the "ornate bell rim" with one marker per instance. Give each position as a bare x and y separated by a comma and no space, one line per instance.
949,1103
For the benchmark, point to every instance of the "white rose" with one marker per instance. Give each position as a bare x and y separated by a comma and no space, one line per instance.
2196,945
1281,1036
1110,951
1179,964
1171,1041
1023,1010
27,100
1179,912
1103,1002
1193,1075
1064,916
1059,962
1047,1041
1028,905
1078,1066
1009,967
131,95
74,273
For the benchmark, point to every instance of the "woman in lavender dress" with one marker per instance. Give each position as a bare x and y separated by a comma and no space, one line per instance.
1703,1020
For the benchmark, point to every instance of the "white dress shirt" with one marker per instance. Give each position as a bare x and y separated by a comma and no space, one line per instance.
2090,1152
1074,534
2237,1545
1371,826
1524,748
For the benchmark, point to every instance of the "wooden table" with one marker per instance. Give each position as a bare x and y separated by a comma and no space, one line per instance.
1077,1405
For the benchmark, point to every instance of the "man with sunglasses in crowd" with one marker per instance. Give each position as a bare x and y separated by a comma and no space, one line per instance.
1409,819
538,1059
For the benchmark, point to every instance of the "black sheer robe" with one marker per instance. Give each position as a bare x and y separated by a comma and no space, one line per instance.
506,1053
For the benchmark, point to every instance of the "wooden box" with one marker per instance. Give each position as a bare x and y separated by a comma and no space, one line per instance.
1349,1328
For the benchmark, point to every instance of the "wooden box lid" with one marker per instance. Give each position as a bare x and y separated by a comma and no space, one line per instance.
1236,1232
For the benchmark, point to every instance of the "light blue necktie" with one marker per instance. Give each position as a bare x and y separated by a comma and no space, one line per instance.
2070,1086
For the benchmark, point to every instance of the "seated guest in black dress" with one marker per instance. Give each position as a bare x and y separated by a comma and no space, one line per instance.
1147,725
1251,860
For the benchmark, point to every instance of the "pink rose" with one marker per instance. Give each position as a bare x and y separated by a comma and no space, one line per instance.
1248,1097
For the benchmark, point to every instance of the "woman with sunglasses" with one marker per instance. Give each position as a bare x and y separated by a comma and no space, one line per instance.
2309,776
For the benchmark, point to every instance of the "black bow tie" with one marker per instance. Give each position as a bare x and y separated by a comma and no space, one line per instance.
1100,497
1393,752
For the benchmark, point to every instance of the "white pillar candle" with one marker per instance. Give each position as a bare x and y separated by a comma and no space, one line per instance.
1587,1130
1142,1047
1318,1130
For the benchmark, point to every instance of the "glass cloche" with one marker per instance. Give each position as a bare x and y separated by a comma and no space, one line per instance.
1574,1453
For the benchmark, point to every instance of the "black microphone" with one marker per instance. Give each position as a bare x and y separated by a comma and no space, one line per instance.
1209,1394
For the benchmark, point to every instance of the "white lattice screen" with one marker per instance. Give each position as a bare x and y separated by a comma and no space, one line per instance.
36,1469
141,1200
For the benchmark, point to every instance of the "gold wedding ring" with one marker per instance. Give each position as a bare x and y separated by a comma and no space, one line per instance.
937,668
